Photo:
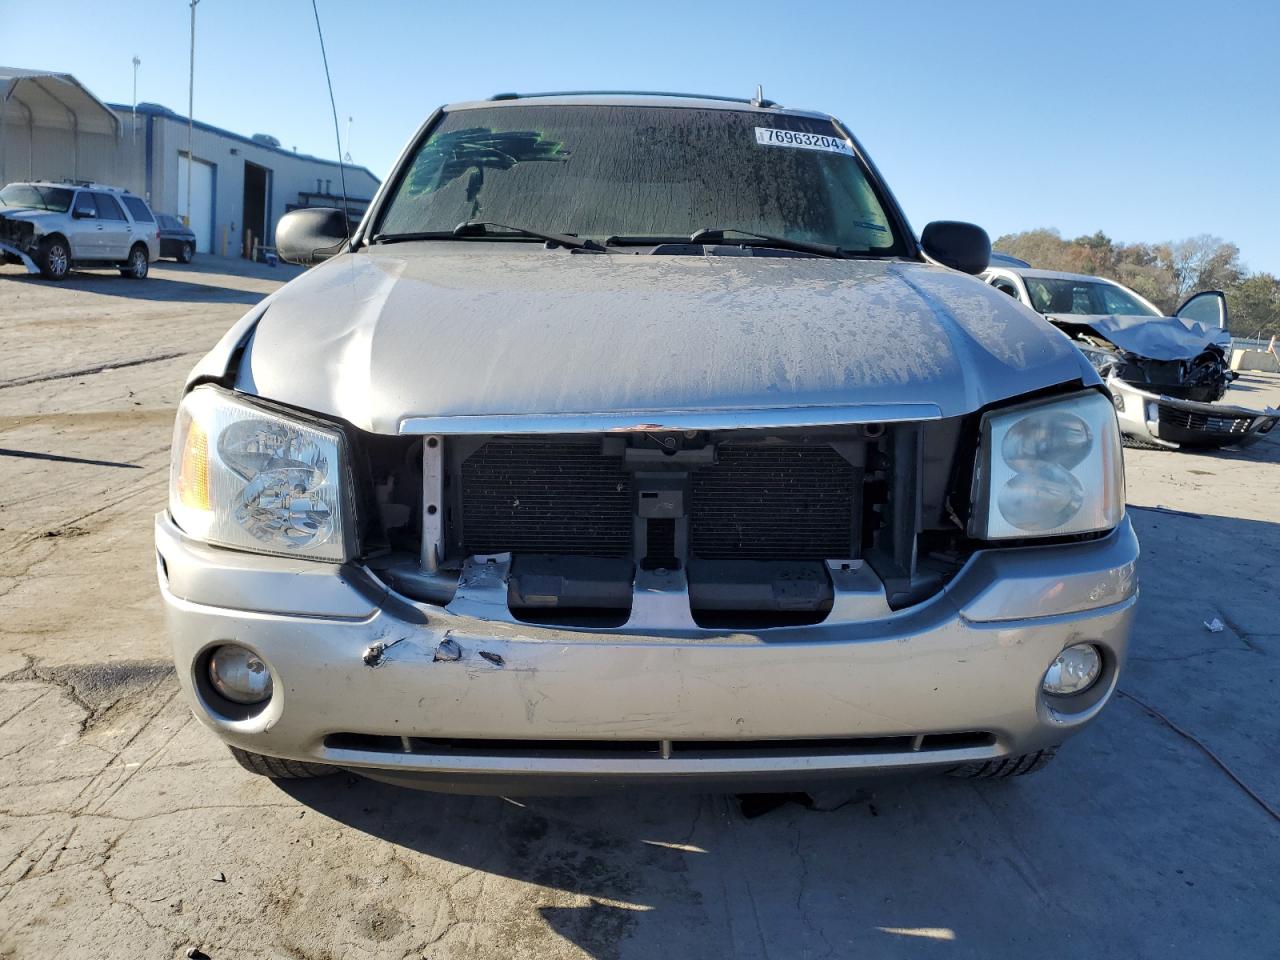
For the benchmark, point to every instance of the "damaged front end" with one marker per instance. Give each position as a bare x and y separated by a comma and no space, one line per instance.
1167,378
19,241
670,530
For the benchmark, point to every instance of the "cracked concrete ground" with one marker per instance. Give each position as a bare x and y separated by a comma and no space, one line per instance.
126,831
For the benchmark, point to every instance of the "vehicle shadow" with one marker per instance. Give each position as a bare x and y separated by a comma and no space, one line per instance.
197,282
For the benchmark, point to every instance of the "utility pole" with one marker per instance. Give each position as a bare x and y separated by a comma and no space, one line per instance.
191,104
136,64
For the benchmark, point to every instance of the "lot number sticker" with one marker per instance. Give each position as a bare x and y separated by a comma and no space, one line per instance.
772,137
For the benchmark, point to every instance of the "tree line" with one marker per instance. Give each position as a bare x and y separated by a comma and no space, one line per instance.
1164,273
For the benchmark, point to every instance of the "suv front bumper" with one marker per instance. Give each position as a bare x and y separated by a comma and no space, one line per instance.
1170,422
361,678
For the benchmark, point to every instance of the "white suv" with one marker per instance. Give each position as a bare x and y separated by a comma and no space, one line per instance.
51,227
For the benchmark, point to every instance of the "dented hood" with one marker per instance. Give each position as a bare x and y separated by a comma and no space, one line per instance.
481,330
1156,338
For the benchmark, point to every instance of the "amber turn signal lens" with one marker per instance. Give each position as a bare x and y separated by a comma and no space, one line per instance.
193,473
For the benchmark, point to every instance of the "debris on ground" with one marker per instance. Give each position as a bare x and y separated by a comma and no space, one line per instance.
1215,625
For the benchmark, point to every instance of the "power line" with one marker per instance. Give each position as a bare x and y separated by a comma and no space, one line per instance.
337,135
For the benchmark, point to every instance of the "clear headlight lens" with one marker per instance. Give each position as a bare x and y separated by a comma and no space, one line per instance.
250,478
1049,469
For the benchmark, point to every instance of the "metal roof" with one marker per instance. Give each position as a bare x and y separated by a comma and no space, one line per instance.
42,98
159,110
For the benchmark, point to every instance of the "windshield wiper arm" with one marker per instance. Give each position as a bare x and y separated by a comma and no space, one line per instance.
407,237
709,235
473,228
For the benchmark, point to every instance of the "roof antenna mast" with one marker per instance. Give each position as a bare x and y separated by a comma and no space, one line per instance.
342,170
759,100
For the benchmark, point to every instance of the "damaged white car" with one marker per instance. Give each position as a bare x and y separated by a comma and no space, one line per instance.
1166,374
636,439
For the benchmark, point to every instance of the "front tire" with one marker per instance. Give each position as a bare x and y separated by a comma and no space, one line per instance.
277,768
138,265
54,259
185,253
1005,767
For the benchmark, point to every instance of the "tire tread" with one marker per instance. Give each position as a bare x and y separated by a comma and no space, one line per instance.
280,768
1004,767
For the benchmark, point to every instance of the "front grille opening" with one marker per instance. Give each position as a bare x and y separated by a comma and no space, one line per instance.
540,495
660,545
1214,423
690,749
770,502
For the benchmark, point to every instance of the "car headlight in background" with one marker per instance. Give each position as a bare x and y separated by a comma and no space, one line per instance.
1101,360
247,477
1049,469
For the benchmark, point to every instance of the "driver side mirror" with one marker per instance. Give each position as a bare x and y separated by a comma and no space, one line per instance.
958,245
311,235
82,213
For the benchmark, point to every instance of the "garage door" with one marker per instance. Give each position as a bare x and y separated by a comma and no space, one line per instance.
201,201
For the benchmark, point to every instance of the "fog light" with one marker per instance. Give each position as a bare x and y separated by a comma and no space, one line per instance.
1074,670
239,674
1153,412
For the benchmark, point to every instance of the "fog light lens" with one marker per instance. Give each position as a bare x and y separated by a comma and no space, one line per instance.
239,674
1074,670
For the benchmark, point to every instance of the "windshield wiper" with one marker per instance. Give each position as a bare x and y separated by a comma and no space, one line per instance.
474,229
480,228
709,235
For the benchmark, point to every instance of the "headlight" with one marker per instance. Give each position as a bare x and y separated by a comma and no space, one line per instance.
1049,469
1101,360
246,477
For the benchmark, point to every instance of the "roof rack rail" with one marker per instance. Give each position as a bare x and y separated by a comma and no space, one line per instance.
628,93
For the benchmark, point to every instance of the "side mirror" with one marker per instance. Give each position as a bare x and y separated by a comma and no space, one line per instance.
80,213
311,235
958,245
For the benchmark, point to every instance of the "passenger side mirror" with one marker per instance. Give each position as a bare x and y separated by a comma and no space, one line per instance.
958,245
311,235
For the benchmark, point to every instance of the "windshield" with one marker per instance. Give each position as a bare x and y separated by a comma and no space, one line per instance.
1088,297
56,199
633,171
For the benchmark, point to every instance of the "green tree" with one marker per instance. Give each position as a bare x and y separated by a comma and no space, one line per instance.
1254,306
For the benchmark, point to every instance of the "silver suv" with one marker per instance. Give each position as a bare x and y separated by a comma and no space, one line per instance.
638,439
51,227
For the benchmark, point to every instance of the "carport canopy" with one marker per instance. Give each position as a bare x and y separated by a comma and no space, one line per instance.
41,98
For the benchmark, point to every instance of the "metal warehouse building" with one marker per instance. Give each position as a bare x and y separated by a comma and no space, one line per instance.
53,128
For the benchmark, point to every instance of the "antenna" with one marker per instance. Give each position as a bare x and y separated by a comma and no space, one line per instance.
759,100
342,171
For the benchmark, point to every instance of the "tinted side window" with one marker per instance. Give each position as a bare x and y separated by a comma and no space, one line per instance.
138,210
85,204
108,209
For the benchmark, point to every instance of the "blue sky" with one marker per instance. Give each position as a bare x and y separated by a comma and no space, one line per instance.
1151,121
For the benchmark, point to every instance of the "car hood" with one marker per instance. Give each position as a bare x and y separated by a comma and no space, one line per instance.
27,213
1156,338
429,330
